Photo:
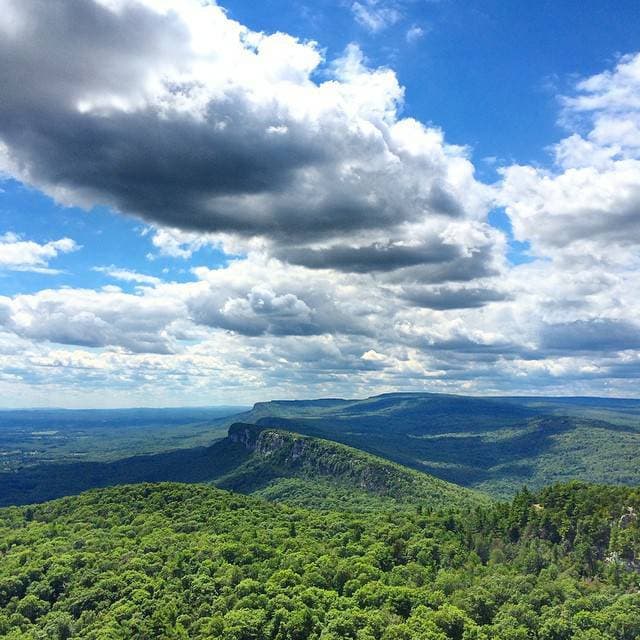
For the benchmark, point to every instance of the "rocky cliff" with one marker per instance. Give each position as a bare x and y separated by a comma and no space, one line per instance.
282,454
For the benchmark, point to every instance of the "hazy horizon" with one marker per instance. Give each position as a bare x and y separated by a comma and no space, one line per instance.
248,406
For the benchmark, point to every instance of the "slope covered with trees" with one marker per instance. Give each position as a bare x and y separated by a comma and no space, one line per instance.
181,561
491,444
252,459
310,471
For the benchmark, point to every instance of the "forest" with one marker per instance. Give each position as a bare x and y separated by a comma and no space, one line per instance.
274,533
180,561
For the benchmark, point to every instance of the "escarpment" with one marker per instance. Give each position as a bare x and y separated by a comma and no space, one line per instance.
281,454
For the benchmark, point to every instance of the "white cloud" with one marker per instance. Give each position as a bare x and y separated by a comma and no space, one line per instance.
593,199
84,317
176,243
579,204
219,135
375,15
126,275
365,261
17,254
414,33
616,91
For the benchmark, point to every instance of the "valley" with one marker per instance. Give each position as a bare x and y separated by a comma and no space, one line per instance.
299,521
31,437
493,446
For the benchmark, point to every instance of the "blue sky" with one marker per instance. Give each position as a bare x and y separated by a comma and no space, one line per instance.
207,204
477,64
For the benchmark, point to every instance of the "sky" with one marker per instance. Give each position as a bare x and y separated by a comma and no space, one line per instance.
207,204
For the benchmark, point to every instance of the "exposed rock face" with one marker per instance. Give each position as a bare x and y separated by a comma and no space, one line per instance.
271,442
276,453
245,434
628,518
316,458
265,442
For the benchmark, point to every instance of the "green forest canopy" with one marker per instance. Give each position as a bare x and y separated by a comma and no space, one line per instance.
182,561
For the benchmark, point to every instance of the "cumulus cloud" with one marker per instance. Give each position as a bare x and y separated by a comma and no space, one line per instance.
593,197
359,257
581,218
611,104
175,243
17,254
88,318
585,204
301,332
198,124
262,296
238,299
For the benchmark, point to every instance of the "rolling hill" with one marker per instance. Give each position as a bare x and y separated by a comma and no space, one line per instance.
253,460
495,445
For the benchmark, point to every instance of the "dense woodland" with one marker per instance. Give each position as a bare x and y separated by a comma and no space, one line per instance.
331,542
495,445
492,445
181,561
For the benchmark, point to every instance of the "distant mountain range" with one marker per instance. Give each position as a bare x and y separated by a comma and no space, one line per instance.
295,451
495,445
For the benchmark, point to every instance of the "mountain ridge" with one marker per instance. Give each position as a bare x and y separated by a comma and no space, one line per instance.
492,444
251,459
277,454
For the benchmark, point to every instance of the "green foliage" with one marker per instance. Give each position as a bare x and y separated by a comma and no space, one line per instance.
179,561
314,472
32,437
494,445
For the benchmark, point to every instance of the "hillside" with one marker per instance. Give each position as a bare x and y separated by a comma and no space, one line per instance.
180,562
494,445
491,444
281,461
251,459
